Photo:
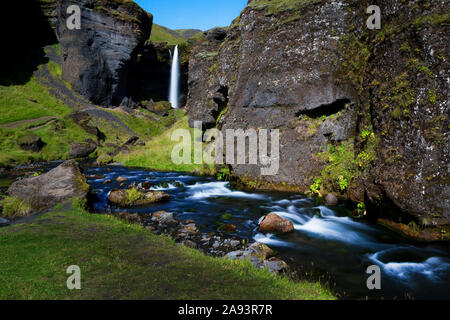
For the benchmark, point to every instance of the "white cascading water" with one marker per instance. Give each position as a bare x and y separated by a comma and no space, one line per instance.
174,80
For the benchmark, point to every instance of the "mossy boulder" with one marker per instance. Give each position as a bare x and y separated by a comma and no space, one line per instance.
161,108
136,198
43,192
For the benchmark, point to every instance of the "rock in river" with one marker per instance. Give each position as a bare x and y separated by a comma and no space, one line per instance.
121,179
228,228
47,190
273,223
135,198
331,200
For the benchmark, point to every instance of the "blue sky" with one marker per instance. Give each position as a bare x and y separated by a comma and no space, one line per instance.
193,14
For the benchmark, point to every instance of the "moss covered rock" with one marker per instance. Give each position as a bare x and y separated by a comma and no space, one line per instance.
43,192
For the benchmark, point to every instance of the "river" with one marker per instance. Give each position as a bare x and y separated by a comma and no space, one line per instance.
326,244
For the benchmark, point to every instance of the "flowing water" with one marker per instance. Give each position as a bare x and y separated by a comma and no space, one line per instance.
326,244
174,80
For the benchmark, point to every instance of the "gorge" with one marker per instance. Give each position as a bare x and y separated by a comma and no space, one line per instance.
362,117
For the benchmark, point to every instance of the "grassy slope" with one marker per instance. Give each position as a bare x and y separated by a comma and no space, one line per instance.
122,261
157,154
26,104
163,34
32,101
173,37
189,33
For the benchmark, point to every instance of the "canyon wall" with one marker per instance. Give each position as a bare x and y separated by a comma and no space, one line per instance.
98,57
362,113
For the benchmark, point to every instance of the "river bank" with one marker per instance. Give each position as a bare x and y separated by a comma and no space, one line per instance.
119,260
326,245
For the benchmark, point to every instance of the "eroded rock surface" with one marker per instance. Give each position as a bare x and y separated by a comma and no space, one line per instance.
59,185
98,57
362,113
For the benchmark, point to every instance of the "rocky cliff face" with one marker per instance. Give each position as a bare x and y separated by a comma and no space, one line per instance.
97,58
150,77
361,112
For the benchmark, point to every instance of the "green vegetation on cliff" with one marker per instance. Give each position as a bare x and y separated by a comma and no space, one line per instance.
27,108
123,261
294,8
38,106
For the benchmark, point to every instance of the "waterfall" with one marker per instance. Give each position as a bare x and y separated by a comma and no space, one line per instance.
174,80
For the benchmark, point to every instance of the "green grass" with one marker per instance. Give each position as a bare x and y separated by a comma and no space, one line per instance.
14,207
292,7
28,101
122,261
163,34
28,106
189,33
157,154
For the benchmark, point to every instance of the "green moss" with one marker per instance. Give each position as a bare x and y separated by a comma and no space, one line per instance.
355,60
421,67
343,165
398,95
435,19
124,10
293,9
134,195
405,47
207,55
221,114
103,159
432,96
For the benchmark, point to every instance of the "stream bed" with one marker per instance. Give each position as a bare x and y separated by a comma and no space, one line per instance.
326,244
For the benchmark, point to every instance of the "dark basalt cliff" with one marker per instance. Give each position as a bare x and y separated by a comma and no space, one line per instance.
97,59
361,112
150,76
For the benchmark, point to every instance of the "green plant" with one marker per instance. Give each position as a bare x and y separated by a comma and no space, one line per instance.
79,203
134,195
413,226
224,174
315,187
343,183
365,134
14,207
361,208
